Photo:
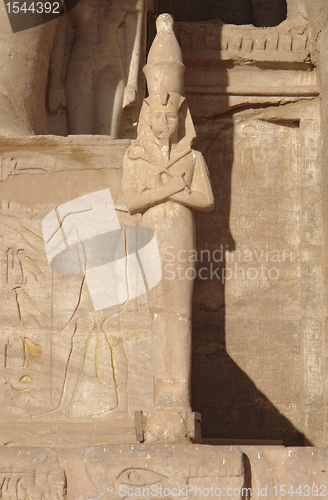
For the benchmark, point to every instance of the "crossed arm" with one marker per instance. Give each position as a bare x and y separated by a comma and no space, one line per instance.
138,199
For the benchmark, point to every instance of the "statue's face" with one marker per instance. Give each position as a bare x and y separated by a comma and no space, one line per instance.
164,123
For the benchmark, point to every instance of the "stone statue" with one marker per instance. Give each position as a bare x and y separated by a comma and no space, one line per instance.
165,180
95,89
24,78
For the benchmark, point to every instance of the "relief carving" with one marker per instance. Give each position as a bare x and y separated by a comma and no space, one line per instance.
10,262
29,268
8,167
97,369
31,474
61,359
139,477
28,312
120,471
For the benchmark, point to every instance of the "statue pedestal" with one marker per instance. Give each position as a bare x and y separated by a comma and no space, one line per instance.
168,426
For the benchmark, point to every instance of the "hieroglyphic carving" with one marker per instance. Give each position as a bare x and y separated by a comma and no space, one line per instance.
262,273
23,157
280,159
31,351
31,474
312,338
139,477
114,470
28,311
10,262
48,326
8,166
47,334
29,267
314,367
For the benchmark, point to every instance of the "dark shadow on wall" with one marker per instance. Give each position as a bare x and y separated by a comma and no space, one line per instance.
231,405
261,13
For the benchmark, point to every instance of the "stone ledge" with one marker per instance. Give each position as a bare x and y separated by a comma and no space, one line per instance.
143,470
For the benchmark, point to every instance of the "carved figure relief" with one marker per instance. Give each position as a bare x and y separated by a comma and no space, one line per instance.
257,166
164,180
95,88
96,375
61,359
85,236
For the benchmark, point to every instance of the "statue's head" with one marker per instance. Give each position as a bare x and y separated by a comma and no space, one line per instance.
164,73
165,114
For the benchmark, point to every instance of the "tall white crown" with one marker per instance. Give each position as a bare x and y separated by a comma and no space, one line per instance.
164,70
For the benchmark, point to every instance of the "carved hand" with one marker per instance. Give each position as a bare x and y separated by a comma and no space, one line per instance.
178,183
130,95
57,98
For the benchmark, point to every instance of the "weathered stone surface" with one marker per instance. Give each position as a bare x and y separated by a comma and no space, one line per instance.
264,244
259,360
31,473
225,65
163,471
37,336
279,472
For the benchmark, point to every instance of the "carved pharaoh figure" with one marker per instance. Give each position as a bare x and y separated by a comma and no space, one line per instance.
165,180
96,89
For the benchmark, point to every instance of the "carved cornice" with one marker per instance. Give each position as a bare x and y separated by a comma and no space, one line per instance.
290,42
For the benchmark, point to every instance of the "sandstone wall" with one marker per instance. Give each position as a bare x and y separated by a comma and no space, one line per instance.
259,100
